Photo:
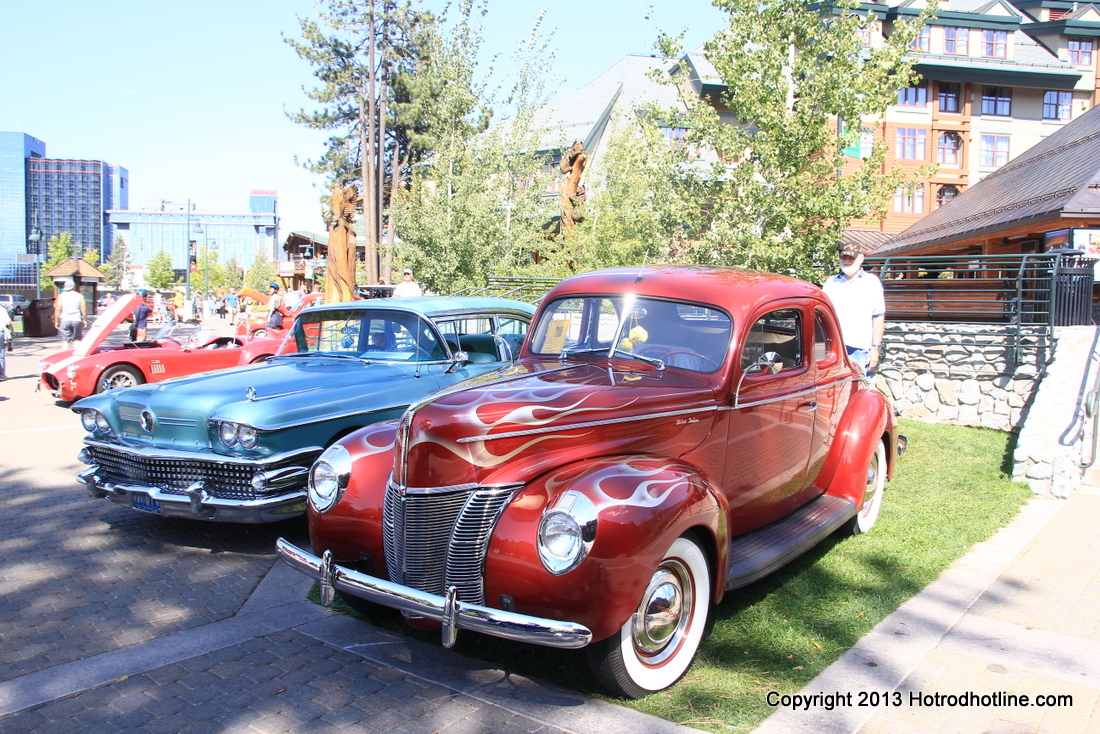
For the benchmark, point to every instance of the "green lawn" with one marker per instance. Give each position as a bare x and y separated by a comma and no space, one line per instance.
950,491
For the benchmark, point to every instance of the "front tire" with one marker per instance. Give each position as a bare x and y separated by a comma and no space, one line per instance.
117,378
657,644
867,516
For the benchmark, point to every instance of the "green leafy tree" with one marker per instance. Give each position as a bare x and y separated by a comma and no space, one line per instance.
476,205
234,274
90,256
360,50
117,268
158,271
58,249
261,273
210,274
791,70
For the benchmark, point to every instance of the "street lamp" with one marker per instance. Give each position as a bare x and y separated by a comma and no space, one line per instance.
35,239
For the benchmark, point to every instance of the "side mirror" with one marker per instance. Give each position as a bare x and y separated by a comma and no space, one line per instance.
769,363
458,359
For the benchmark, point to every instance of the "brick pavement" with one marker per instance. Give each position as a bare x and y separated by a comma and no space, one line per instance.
112,621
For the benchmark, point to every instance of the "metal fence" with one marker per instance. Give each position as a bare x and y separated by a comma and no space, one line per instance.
1023,296
528,290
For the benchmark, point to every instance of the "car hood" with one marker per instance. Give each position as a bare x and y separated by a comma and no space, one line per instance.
266,396
105,323
540,415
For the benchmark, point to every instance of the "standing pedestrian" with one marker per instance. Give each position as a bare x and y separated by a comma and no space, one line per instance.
274,315
141,317
407,287
860,308
70,315
5,339
231,306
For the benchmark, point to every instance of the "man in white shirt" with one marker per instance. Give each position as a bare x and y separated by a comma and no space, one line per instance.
407,288
70,315
860,307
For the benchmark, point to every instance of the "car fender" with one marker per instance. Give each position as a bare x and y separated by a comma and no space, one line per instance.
354,526
867,417
643,504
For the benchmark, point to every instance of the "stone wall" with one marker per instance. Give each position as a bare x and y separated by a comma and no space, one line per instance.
968,374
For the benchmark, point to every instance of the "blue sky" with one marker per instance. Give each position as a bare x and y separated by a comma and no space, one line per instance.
189,96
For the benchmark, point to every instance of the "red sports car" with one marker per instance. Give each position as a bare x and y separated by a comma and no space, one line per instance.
257,326
94,366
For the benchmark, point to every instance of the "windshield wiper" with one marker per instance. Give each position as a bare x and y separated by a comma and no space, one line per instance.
587,350
658,363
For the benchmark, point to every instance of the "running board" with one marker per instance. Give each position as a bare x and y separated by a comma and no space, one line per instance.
754,555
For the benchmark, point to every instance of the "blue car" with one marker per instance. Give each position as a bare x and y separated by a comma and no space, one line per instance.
237,445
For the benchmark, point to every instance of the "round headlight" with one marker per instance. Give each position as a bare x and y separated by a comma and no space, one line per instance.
71,371
559,540
101,423
246,435
566,532
328,478
227,433
87,419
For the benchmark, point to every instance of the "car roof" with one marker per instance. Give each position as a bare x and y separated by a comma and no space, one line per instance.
433,305
736,290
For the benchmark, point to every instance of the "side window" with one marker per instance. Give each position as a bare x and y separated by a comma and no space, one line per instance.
780,332
823,338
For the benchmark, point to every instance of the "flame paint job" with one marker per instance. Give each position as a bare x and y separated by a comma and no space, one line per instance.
661,453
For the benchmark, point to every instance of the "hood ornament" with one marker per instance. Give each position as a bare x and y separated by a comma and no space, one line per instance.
250,393
146,420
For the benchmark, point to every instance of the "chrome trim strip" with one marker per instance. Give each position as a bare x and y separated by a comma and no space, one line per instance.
587,424
495,622
154,452
788,396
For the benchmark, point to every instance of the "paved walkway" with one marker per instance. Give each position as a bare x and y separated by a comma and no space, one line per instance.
1018,616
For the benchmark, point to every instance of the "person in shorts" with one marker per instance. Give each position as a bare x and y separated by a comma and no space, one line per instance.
70,315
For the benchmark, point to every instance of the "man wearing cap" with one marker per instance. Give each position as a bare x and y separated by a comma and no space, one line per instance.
274,315
407,288
70,315
860,307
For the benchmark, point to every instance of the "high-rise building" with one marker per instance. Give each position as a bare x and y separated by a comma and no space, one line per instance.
54,196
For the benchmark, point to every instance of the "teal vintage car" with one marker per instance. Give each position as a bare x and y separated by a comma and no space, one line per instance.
237,445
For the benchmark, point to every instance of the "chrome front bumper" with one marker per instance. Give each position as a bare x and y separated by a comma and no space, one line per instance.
286,497
452,613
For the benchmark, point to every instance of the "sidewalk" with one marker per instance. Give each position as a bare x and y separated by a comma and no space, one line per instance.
1018,616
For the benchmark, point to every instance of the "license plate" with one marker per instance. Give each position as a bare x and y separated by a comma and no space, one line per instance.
143,502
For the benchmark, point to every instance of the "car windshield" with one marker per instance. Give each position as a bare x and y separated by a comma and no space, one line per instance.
676,334
373,334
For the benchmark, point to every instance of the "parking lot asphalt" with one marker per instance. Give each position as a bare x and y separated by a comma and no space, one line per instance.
112,620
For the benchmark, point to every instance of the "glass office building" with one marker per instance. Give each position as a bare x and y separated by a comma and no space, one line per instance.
238,236
74,196
15,218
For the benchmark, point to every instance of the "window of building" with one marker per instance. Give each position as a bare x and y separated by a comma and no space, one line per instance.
909,202
676,136
1080,51
916,96
947,149
923,41
995,44
946,194
909,145
1056,105
950,97
956,41
994,150
997,101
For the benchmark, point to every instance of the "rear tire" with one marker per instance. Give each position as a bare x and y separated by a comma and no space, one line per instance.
658,643
867,516
119,377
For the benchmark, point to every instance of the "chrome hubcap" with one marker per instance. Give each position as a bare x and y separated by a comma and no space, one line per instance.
661,620
872,485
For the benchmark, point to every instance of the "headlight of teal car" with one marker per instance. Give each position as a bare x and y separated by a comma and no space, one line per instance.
227,434
328,478
246,437
94,422
566,532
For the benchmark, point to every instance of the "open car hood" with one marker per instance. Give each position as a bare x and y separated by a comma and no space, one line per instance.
105,323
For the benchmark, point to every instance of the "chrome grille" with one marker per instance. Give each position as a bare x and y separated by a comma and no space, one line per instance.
439,539
174,476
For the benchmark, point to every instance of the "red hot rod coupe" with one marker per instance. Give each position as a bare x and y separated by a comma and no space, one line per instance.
667,435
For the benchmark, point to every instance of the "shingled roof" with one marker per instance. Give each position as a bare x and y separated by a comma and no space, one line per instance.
1058,177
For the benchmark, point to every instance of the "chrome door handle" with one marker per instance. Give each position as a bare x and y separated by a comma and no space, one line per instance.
809,407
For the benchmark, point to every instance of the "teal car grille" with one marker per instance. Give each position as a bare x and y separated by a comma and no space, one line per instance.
174,476
439,538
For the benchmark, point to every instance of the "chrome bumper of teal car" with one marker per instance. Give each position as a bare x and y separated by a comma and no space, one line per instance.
453,613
